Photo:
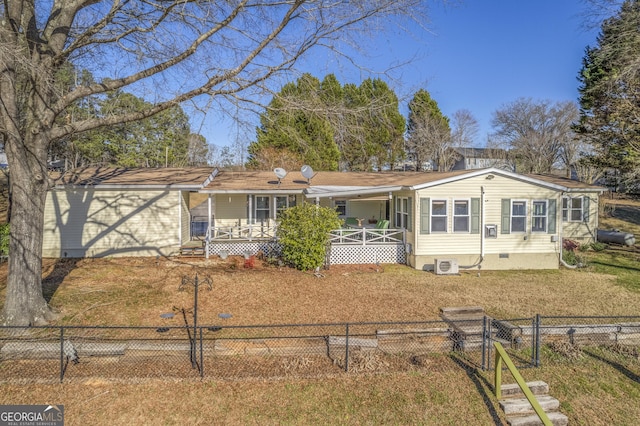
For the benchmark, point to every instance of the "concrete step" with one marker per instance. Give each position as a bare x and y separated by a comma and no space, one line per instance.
557,419
521,406
512,390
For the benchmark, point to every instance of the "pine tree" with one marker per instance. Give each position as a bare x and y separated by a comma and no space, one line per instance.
610,93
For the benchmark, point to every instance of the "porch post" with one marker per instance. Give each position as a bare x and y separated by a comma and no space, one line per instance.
209,211
209,224
180,218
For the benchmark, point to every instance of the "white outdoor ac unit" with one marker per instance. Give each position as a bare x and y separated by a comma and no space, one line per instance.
446,266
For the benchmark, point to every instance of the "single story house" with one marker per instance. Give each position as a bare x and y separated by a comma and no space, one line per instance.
481,158
467,219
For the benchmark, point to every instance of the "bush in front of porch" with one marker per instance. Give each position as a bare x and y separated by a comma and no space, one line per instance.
303,233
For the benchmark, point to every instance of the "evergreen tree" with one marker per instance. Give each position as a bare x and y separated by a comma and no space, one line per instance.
294,124
383,124
320,123
610,93
429,134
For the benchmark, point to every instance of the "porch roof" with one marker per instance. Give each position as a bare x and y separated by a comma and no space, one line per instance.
322,184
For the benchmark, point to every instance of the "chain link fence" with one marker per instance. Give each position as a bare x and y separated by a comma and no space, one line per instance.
67,353
569,339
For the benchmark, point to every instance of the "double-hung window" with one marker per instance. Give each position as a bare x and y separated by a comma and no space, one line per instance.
403,215
262,208
539,216
518,216
283,202
572,209
461,216
341,207
438,216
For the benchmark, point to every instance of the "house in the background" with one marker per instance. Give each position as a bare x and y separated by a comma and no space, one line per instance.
482,158
486,218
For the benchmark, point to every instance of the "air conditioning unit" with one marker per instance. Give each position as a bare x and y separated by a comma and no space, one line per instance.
446,266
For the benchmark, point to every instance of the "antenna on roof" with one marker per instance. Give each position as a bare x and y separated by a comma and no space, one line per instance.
307,172
280,173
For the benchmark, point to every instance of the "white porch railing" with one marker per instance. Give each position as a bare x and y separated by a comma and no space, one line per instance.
366,236
242,233
348,246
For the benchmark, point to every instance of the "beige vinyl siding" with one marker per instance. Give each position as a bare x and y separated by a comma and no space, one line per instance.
185,218
495,190
583,232
230,209
96,223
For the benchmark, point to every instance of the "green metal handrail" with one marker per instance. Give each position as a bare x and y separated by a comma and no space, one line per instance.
501,355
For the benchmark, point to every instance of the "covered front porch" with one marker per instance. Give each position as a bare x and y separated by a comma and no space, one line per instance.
347,245
243,217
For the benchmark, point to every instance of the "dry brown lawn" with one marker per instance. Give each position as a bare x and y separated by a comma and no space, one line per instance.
135,291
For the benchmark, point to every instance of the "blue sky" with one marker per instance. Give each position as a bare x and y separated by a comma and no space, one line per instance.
478,55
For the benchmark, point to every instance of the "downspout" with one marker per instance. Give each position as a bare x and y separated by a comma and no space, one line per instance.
482,225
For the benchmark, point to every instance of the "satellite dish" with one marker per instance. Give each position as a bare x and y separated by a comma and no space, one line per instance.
280,172
307,172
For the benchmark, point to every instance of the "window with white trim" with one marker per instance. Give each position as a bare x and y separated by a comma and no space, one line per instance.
539,216
438,216
461,215
518,216
262,208
572,209
341,207
283,202
402,212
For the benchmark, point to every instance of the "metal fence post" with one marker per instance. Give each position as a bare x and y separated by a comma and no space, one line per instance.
61,353
484,342
489,345
533,341
538,340
201,356
346,350
195,324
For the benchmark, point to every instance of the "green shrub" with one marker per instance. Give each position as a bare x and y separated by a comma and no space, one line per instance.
4,239
584,247
597,246
304,234
569,257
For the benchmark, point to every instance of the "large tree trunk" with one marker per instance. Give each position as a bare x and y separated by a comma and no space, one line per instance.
25,304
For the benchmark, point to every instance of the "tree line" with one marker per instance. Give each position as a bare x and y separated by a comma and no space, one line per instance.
161,140
360,128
